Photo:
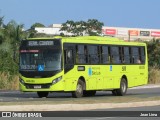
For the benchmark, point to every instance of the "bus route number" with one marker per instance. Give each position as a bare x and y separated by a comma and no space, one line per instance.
123,68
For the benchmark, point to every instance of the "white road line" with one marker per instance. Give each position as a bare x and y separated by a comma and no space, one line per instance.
147,86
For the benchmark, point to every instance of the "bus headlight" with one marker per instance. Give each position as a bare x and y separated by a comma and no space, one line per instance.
21,81
56,80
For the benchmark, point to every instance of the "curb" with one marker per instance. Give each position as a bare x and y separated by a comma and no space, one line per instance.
147,86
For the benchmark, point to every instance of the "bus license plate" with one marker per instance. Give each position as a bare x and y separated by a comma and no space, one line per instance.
37,86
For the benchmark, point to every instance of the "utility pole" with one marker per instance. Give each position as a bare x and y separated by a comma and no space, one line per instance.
129,37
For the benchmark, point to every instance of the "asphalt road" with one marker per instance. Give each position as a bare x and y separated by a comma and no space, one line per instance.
17,96
145,93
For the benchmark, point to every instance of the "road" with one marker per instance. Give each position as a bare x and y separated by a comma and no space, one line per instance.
143,94
17,96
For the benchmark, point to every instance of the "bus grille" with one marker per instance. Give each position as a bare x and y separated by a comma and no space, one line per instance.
38,86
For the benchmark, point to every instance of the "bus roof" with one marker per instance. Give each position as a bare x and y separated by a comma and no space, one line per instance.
92,39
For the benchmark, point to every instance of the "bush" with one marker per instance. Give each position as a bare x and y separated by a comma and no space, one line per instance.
154,75
9,82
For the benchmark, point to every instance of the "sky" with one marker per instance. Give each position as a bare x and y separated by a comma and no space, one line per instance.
113,13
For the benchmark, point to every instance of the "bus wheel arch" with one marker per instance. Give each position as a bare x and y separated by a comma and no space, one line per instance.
125,77
79,88
123,86
83,80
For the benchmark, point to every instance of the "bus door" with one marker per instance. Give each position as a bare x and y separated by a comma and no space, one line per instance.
69,73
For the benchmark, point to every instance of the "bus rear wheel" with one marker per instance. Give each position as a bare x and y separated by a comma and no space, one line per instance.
79,90
123,88
42,94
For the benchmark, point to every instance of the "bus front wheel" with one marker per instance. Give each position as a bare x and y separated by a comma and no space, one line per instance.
42,94
79,90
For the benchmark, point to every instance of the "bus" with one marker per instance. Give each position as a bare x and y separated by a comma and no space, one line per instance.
81,65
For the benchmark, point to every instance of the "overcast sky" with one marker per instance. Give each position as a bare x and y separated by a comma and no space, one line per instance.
117,13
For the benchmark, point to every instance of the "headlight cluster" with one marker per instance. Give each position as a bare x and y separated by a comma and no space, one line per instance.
56,80
21,81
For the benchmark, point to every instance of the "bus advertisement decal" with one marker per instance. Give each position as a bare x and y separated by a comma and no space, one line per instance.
89,71
110,67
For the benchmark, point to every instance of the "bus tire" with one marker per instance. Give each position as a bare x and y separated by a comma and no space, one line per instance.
89,93
79,90
42,94
123,87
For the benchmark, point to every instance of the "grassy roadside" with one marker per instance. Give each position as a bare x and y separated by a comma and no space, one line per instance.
9,82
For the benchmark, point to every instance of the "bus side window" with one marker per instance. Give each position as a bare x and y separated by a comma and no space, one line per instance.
142,55
81,54
115,55
105,54
126,55
136,55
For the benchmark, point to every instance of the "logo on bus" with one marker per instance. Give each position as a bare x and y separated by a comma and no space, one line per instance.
40,67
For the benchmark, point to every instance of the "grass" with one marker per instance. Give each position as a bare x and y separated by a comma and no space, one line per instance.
154,75
9,82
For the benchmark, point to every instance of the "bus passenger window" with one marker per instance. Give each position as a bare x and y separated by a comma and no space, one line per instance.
115,55
105,54
135,55
81,54
93,54
142,55
126,55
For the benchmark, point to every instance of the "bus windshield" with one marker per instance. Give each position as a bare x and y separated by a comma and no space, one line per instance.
40,60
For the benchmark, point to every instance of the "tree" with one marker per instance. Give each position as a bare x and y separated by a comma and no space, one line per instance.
32,32
14,34
153,48
37,25
94,27
68,26
78,28
1,21
1,30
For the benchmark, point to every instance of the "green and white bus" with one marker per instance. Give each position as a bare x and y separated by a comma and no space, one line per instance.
82,65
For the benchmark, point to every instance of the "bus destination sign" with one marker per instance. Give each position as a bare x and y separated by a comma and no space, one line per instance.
40,43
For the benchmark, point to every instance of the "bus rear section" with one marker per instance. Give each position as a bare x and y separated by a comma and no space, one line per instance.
113,67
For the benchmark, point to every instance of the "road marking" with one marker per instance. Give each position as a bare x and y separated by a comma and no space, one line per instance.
146,86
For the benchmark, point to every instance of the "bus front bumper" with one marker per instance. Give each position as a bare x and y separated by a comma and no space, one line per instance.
26,87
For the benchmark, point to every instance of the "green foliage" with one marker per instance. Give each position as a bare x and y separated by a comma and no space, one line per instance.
79,28
10,37
154,75
37,25
32,32
154,53
7,63
1,21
